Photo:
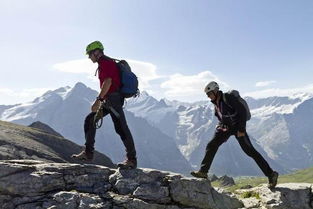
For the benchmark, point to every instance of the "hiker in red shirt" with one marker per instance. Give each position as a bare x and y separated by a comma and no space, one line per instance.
110,83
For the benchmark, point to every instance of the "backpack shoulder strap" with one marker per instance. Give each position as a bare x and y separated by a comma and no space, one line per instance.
110,58
226,100
227,97
115,60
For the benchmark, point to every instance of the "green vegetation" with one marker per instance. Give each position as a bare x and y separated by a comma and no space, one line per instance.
300,176
250,194
305,175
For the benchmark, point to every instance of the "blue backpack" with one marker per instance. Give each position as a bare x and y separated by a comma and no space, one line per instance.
129,81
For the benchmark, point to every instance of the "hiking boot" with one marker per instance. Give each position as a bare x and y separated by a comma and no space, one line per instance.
84,156
128,164
272,180
199,174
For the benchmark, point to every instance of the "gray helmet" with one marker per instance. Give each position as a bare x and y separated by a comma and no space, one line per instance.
211,87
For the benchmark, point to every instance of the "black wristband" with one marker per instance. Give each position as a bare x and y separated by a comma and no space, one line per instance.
100,99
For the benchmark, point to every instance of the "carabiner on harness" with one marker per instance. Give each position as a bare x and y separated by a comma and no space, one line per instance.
98,118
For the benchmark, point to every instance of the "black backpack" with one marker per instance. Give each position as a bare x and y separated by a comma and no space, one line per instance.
236,94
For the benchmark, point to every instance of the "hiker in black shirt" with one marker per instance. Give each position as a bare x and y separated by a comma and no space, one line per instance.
232,118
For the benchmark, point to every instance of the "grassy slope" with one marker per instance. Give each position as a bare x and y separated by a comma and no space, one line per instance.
301,176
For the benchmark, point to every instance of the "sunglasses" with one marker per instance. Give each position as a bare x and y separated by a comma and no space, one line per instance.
91,53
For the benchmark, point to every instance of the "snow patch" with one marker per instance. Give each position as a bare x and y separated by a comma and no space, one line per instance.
269,110
18,112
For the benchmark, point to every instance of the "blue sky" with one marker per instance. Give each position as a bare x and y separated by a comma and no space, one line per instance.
262,48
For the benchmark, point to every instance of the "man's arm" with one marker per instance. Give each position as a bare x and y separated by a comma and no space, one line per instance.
104,90
105,87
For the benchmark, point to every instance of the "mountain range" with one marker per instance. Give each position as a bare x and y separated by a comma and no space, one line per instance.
65,109
172,135
279,129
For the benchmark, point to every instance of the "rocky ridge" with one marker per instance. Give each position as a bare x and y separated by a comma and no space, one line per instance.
40,143
26,184
45,128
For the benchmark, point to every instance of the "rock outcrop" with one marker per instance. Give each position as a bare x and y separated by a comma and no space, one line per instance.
28,184
226,181
45,128
34,184
212,177
21,142
284,196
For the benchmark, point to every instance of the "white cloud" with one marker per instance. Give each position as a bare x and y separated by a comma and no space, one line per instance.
189,87
176,86
264,83
76,66
6,91
24,92
292,93
145,71
31,93
10,96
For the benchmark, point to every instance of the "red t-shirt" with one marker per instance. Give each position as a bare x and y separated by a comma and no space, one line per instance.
108,69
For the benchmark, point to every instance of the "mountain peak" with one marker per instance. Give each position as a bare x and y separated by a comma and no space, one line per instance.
62,89
80,91
144,94
163,103
80,85
45,128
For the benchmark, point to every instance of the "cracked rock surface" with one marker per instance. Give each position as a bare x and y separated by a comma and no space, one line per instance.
31,184
28,184
284,196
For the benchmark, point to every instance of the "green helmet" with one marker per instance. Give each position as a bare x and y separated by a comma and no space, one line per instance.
94,45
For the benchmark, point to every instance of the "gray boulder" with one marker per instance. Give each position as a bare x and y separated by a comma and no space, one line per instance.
288,195
36,184
212,177
29,184
226,181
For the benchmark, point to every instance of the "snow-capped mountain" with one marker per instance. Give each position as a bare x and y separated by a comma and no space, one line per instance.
167,132
275,130
288,138
65,109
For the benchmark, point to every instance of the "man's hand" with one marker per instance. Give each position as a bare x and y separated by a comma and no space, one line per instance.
95,106
221,127
240,134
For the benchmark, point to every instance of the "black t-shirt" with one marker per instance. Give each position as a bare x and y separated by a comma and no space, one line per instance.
232,113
